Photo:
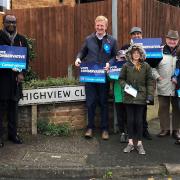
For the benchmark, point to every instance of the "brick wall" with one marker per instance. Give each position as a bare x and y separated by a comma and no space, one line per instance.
33,3
75,114
72,113
24,119
39,3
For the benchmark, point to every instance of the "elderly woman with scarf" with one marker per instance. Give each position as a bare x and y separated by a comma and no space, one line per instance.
136,78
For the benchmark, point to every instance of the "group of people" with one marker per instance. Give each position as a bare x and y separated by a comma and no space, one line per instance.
135,88
133,91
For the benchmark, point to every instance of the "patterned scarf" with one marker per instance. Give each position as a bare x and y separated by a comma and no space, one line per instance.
10,36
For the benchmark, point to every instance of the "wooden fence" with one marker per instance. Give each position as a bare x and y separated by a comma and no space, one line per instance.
59,31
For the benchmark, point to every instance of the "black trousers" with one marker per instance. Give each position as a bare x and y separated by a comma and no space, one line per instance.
135,120
9,109
121,117
97,93
145,123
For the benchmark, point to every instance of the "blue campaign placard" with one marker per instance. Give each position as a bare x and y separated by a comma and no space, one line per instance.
92,72
152,46
13,57
178,92
115,69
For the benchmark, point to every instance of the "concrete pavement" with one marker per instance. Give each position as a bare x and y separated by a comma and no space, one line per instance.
67,157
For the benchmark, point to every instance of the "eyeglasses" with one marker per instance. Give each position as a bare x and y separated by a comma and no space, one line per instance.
10,22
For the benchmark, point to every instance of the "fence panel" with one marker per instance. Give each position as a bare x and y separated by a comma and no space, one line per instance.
60,31
53,31
158,18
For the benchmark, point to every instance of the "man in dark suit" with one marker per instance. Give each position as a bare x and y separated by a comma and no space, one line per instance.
10,81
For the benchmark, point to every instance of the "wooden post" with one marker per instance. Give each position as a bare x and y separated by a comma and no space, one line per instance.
1,19
34,119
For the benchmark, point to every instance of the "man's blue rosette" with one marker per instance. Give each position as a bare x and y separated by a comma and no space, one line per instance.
107,48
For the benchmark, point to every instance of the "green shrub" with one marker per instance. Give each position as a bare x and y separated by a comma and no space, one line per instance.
53,129
30,74
108,175
34,84
32,53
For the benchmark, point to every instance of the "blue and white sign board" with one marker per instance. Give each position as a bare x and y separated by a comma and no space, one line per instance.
115,69
152,46
178,93
13,57
92,72
53,95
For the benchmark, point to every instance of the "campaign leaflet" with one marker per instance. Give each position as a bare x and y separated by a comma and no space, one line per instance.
153,49
115,69
92,72
13,57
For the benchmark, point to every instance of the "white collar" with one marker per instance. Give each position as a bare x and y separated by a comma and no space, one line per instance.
100,37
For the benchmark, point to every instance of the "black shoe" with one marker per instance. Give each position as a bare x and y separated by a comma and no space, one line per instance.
146,135
176,134
1,143
177,142
16,139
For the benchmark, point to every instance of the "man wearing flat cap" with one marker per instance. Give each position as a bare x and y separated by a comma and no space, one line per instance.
10,80
166,87
136,33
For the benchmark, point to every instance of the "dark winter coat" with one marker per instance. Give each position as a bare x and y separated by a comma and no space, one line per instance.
9,87
90,51
141,80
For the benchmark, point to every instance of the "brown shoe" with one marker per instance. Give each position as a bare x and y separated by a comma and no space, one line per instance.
164,133
105,135
88,133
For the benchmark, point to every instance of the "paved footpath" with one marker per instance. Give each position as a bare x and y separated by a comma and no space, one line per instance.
78,158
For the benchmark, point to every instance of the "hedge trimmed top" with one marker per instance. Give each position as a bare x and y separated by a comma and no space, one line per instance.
34,84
